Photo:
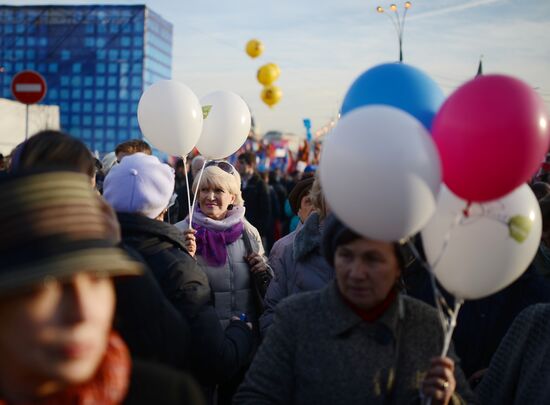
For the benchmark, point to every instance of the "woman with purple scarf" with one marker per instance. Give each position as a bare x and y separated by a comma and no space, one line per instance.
228,247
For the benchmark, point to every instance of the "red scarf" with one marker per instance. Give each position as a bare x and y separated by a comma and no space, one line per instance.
108,386
373,314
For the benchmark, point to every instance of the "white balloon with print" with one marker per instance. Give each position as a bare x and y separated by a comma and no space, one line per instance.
380,172
226,125
170,117
485,251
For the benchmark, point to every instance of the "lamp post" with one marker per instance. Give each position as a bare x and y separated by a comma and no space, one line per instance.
398,22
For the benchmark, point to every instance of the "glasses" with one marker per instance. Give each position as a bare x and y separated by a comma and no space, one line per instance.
222,164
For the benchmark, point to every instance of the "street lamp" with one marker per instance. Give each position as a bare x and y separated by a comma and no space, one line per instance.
398,22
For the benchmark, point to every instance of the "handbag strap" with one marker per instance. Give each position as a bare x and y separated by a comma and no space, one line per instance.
247,243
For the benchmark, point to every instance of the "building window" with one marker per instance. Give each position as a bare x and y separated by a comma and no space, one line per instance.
75,107
100,68
88,94
99,120
100,94
110,121
100,107
112,81
113,67
111,107
76,93
75,81
88,81
87,120
75,120
87,107
77,67
52,68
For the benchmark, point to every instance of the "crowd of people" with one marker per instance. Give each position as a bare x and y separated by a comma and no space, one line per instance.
116,288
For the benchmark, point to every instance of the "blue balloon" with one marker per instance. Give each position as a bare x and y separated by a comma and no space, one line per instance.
398,85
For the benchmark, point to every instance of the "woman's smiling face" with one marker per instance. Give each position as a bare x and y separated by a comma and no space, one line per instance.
214,200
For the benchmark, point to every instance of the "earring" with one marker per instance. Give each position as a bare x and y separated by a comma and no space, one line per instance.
230,207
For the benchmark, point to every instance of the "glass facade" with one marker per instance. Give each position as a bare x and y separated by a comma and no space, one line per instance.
97,60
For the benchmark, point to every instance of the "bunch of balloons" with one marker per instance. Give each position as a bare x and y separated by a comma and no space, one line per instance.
174,120
453,170
267,74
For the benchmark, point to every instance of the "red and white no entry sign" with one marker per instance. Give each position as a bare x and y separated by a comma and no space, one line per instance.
28,87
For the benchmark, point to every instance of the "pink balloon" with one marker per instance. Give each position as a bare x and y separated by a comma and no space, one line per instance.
492,135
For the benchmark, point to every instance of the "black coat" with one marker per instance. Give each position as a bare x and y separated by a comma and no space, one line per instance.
149,324
215,354
258,203
155,384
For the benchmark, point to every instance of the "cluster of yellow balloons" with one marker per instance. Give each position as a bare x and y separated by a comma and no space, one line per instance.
267,74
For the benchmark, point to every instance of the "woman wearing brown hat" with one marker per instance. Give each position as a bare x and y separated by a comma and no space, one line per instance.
58,256
299,265
358,340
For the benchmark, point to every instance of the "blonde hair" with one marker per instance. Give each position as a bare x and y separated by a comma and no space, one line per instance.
317,198
213,176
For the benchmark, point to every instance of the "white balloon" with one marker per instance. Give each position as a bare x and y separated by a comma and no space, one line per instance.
485,251
226,127
170,117
380,172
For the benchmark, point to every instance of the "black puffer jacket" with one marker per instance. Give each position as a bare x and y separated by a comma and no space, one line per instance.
215,354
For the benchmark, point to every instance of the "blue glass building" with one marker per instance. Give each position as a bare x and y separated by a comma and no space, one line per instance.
96,59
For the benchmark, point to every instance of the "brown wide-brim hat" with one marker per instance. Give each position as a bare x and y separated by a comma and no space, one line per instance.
299,191
53,226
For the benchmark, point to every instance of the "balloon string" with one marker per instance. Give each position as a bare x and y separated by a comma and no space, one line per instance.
187,184
451,327
449,330
195,196
436,292
447,238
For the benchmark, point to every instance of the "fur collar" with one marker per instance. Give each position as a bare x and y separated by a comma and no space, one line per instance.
308,238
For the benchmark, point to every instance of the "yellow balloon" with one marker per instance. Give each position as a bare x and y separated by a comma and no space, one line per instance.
276,67
254,48
267,74
271,95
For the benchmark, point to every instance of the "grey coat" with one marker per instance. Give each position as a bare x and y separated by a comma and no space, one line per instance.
318,351
298,267
230,283
520,369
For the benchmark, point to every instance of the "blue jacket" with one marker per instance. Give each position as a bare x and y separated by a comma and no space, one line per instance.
299,268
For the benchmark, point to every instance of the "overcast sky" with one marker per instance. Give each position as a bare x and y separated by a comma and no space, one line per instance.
322,46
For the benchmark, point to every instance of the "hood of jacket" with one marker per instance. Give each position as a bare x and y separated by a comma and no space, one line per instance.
308,238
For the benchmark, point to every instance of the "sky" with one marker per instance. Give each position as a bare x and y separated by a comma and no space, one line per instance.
321,47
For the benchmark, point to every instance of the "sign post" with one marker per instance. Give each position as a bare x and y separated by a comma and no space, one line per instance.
28,87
